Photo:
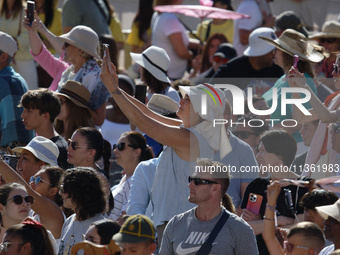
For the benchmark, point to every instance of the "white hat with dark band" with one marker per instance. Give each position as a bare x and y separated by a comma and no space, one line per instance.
155,60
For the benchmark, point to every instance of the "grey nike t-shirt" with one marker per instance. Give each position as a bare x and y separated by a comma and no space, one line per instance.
185,234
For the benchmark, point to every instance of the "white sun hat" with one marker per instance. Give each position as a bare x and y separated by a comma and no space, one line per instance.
155,60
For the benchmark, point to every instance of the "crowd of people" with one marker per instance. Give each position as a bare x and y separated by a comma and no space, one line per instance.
96,161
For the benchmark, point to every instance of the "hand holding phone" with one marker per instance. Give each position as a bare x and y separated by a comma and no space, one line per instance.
296,60
30,11
107,55
254,203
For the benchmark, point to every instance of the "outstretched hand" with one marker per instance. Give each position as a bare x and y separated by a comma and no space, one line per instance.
295,78
109,77
37,24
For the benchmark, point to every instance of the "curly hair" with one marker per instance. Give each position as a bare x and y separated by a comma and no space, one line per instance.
54,174
85,188
137,140
35,234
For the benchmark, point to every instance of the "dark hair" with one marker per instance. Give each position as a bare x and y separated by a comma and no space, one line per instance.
77,117
318,197
108,39
281,143
4,193
78,180
137,140
154,84
17,8
35,234
54,174
106,229
205,53
143,18
303,66
42,99
49,6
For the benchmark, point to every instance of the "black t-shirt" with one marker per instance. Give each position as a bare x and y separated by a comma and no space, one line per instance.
62,146
241,73
259,187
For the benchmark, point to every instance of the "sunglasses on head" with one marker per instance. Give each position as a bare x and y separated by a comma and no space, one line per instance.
37,180
219,59
75,146
17,199
243,134
121,146
336,128
289,247
327,40
199,181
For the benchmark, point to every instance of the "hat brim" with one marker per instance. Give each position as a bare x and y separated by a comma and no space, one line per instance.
38,155
249,52
126,238
184,90
332,210
314,57
76,102
64,38
158,74
323,35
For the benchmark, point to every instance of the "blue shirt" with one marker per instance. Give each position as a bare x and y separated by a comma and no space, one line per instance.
12,87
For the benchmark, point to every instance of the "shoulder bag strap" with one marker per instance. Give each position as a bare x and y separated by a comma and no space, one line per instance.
206,247
208,30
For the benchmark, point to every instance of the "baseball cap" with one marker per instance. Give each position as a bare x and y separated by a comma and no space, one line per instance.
258,47
289,19
8,44
225,50
136,229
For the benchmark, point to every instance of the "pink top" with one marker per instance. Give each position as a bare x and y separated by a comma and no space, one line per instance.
54,66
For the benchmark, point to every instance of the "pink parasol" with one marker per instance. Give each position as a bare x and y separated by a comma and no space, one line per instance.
200,11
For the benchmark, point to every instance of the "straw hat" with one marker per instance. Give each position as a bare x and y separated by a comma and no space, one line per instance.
155,60
162,104
43,149
295,43
83,38
330,29
76,92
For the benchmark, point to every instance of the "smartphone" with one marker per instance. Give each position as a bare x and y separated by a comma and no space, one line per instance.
296,60
30,11
254,203
11,160
289,200
140,93
107,54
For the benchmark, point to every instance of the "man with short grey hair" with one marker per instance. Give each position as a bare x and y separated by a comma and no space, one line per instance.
13,86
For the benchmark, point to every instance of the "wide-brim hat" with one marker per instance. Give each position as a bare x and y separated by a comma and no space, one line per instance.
258,47
43,149
294,43
84,38
136,229
162,104
330,29
76,92
155,60
330,210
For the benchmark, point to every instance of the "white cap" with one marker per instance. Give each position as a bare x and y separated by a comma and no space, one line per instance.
8,44
257,47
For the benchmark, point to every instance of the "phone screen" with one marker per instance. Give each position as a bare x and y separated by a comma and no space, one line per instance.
140,93
30,11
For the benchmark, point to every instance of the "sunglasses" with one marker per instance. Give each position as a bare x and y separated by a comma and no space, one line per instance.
289,247
17,199
243,134
4,246
199,181
75,146
37,180
327,40
336,128
219,59
121,146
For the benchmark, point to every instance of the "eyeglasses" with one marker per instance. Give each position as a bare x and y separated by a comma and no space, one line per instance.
37,180
243,134
336,128
75,146
219,59
90,239
327,40
66,45
289,247
121,146
17,199
4,246
199,181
